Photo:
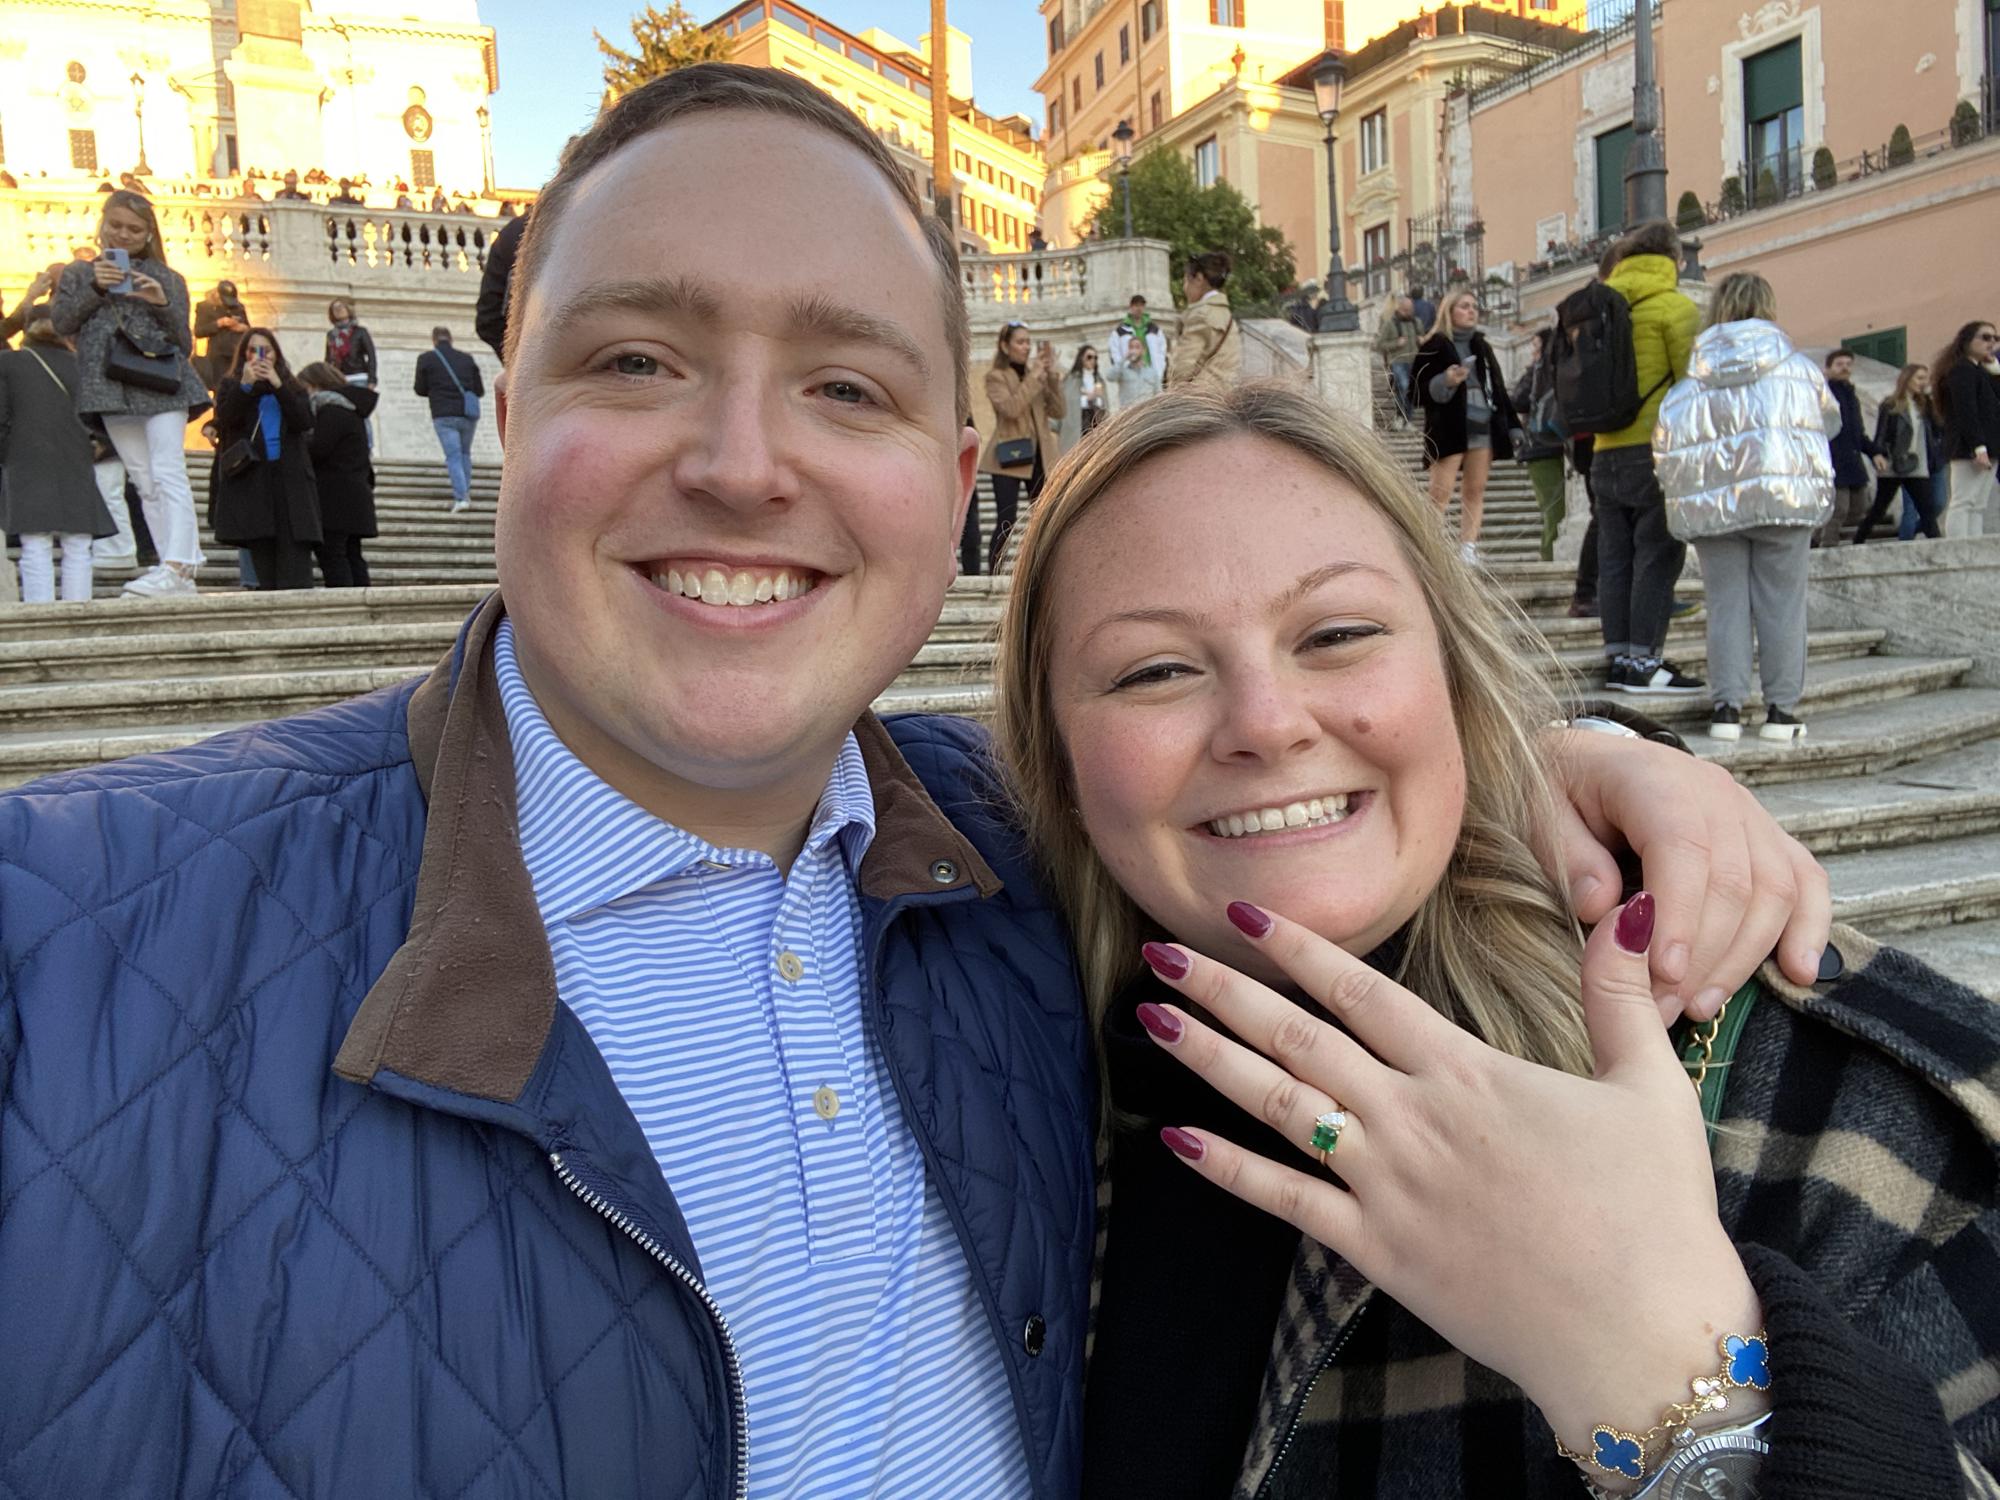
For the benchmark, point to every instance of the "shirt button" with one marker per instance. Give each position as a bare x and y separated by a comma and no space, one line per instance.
791,966
826,1102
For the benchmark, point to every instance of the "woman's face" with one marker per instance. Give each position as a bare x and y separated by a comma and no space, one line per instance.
338,312
1465,313
1018,344
124,230
1920,380
1238,641
1090,359
259,348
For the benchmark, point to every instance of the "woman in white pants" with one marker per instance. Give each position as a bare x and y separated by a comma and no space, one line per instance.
134,351
50,495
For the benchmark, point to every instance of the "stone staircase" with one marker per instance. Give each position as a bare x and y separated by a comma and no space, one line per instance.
1897,789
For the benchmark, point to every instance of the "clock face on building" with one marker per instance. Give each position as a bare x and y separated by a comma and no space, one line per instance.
417,123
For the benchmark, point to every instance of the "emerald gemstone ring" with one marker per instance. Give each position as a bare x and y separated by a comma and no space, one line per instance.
1326,1134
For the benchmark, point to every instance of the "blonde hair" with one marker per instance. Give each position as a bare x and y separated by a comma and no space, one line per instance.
1741,295
1446,304
1493,946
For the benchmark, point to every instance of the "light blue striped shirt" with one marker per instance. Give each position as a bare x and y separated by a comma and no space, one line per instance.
726,999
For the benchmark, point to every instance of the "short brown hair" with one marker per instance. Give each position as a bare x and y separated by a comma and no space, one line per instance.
706,87
1655,237
321,376
1214,267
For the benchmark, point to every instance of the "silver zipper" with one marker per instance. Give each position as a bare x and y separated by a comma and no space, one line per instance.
1299,1408
738,1407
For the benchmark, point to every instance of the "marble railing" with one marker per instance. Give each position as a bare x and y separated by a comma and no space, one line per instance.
1093,280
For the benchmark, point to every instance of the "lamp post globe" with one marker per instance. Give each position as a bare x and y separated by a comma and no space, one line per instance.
1336,314
1123,136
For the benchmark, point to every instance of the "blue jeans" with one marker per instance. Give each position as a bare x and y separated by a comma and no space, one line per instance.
455,437
1399,382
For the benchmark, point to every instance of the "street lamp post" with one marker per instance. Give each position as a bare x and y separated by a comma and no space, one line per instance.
1123,136
1646,164
1336,314
139,114
485,118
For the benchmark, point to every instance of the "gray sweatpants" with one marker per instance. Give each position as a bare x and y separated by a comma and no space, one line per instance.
1756,580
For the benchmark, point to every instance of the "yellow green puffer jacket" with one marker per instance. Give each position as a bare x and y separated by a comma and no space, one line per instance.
1664,323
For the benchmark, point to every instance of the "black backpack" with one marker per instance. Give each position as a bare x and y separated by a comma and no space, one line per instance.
1597,372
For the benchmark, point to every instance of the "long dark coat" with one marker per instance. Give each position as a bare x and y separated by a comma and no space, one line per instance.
340,462
1444,421
44,449
245,509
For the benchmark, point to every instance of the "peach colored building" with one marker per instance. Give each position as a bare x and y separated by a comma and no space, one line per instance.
1851,161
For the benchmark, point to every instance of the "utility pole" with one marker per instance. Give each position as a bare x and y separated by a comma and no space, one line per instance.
941,117
1646,164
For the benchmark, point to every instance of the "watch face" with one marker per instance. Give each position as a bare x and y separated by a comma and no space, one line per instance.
1721,1467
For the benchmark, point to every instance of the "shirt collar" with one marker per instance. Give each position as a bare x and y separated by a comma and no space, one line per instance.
586,844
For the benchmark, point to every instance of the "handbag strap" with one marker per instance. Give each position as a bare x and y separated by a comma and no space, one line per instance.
47,371
1218,346
449,370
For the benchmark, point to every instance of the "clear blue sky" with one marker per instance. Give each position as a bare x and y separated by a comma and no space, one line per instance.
550,75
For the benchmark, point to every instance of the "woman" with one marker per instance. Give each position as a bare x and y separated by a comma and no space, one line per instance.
263,497
1544,445
1968,406
1232,613
1468,416
1026,394
139,327
342,474
1084,392
1741,451
1912,457
349,347
50,490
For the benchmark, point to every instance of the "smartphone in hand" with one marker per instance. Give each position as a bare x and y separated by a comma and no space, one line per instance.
122,259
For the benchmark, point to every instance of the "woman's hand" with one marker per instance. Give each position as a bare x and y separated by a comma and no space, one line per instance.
147,290
1560,1230
1732,885
1455,375
104,275
1881,464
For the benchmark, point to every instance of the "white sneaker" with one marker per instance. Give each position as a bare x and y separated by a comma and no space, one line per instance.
460,505
159,582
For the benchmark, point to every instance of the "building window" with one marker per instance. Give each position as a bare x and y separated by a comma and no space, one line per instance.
1076,93
961,162
1375,256
1225,12
1149,20
1097,66
83,150
1207,163
1154,107
423,169
1775,121
1612,148
1124,45
1007,182
229,146
1375,141
1055,114
986,171
1890,345
1055,35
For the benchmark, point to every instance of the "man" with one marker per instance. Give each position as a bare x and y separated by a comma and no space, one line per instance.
1210,348
1137,351
1396,342
221,318
1638,560
1422,309
489,319
345,197
449,378
1853,449
625,1066
290,193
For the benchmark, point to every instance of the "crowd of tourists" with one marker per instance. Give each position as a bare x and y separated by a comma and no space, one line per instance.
633,1068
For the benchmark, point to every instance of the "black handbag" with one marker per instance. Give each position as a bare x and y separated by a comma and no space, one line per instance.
1014,453
242,455
128,364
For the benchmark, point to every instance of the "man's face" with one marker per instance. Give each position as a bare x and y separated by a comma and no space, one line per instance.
1137,309
1840,367
1405,307
734,475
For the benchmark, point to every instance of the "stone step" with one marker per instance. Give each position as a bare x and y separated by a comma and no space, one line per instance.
1921,886
57,625
1939,797
1968,951
1829,685
1687,644
1862,740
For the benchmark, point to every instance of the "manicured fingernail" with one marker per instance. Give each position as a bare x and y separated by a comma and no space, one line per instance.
1249,920
1582,889
1183,1145
1634,931
1168,963
1162,1022
1708,1002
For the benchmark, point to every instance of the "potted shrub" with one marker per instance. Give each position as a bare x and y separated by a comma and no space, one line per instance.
1901,151
1767,187
1964,123
1823,171
1732,195
1688,214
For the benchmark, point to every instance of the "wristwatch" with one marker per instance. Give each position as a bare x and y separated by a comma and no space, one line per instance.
1718,1465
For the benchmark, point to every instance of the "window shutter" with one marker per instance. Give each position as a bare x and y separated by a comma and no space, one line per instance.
1771,82
1612,148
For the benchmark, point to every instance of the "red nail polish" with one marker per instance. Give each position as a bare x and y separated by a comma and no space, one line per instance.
1249,920
1162,1022
1183,1145
1634,931
1168,963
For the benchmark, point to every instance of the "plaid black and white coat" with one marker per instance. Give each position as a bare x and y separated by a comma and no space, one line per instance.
1855,1167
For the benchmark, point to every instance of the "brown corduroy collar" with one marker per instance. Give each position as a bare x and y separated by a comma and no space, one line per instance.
466,1002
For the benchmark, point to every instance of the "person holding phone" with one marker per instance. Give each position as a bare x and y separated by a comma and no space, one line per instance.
128,313
264,496
1026,394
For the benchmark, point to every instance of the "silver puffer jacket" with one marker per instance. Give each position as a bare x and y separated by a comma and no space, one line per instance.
1742,441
